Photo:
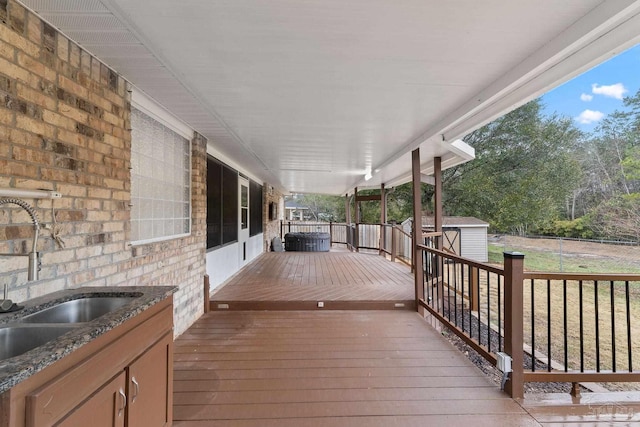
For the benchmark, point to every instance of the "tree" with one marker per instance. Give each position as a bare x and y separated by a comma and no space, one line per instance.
523,174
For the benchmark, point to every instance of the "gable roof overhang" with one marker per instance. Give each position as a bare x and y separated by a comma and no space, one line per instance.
316,96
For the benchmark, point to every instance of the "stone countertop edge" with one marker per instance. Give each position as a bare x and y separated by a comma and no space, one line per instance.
17,369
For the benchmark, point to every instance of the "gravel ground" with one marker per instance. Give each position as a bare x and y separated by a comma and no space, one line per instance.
492,373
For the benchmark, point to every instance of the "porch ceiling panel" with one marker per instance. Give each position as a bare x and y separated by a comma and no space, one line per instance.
314,95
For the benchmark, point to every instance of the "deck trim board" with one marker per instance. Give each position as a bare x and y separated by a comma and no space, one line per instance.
329,368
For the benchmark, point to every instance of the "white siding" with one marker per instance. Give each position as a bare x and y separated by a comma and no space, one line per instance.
474,243
224,262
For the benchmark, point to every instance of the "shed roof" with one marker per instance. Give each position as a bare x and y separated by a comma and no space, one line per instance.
453,221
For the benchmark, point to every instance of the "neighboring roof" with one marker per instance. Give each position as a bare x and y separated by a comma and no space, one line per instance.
293,204
321,96
454,221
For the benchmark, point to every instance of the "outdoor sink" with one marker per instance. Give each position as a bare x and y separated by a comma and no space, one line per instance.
18,339
77,310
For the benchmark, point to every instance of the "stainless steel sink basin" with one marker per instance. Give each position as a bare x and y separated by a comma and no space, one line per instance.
77,310
18,339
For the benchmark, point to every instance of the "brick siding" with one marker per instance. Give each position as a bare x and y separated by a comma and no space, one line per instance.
271,228
64,126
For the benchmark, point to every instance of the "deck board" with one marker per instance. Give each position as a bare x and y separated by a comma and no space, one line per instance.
298,280
329,368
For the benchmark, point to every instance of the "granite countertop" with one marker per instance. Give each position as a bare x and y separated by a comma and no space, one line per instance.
19,368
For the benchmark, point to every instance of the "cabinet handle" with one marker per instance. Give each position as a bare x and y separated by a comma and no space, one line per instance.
136,389
123,398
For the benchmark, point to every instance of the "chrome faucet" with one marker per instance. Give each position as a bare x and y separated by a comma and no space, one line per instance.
34,262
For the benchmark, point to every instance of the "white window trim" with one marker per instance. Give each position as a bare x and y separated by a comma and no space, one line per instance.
153,109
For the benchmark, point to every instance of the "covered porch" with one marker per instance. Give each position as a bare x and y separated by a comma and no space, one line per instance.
335,280
329,368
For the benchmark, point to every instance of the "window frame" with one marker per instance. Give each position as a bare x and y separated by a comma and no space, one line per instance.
153,110
233,212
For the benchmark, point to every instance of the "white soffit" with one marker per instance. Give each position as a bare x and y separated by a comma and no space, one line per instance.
313,95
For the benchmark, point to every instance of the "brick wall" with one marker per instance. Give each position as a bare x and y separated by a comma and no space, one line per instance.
271,228
64,126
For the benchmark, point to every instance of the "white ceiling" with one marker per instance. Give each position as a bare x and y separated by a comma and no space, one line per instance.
311,95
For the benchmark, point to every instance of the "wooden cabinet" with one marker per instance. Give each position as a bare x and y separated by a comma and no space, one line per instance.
138,396
123,378
106,408
148,387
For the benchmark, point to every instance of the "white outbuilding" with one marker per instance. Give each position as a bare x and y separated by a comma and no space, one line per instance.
466,236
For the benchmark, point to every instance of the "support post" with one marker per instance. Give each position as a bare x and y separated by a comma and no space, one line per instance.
356,243
347,209
383,220
437,202
513,321
418,272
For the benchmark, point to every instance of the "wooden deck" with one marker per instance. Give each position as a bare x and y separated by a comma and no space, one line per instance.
329,368
299,280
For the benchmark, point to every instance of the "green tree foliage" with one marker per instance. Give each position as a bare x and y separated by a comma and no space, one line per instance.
610,193
533,174
323,207
523,173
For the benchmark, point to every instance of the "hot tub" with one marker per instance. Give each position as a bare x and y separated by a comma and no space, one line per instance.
307,242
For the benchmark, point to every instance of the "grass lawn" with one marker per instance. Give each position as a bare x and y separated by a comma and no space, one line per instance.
543,260
547,260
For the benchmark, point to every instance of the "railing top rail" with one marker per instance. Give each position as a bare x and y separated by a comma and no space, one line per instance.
432,234
601,277
398,228
472,263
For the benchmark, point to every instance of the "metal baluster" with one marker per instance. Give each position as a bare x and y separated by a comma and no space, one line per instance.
580,295
613,328
597,320
548,325
488,312
533,328
566,346
500,307
629,348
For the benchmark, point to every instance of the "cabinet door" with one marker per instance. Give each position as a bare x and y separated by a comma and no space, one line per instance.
106,408
150,386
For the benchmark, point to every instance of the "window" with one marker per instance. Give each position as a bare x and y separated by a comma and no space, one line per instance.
255,208
244,205
222,204
160,180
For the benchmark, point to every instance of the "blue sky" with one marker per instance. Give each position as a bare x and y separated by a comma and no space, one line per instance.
588,98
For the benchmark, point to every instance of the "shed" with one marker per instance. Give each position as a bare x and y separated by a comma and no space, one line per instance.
466,236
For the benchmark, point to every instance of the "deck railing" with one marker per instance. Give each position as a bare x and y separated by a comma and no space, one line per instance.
555,326
580,327
385,238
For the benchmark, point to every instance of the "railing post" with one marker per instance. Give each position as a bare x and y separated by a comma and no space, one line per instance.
330,233
281,229
473,291
393,244
513,321
356,238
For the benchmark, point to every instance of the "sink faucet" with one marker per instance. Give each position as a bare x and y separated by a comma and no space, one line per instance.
34,262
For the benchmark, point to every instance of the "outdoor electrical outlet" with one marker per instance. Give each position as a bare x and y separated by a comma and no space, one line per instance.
320,304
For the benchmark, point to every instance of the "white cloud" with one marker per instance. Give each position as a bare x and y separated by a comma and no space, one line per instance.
589,116
616,91
586,97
